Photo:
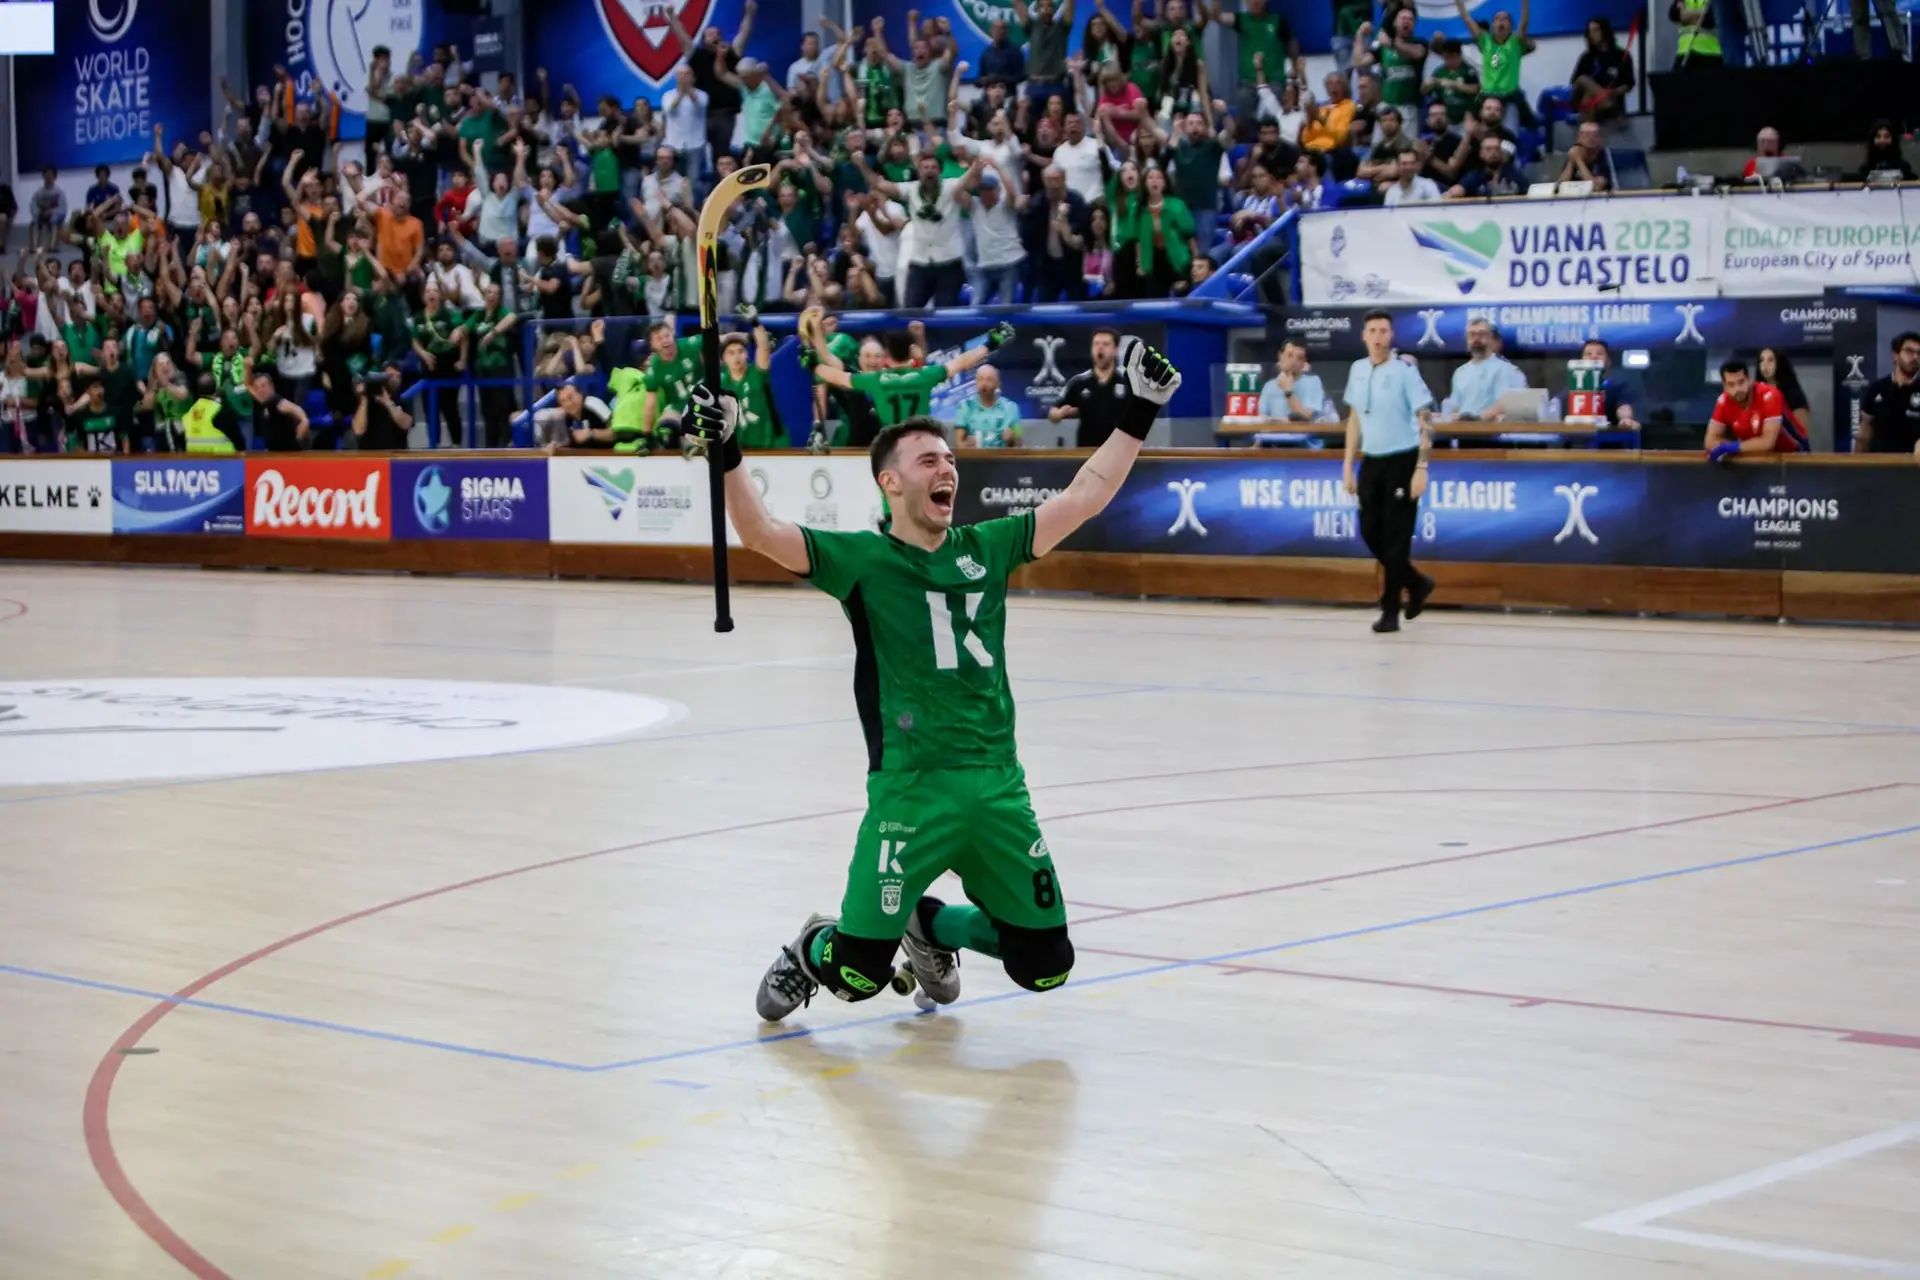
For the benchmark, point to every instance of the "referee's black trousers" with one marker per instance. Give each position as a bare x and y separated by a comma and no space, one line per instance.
1387,513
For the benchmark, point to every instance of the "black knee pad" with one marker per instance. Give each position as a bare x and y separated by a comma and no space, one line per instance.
1037,959
856,968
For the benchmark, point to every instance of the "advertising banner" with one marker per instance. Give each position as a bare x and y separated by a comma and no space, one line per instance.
618,499
319,497
330,44
64,495
1522,251
663,501
1808,241
1496,511
471,498
166,495
1332,334
1622,250
627,47
1312,24
822,493
117,70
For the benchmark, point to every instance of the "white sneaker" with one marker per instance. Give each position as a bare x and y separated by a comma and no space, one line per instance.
936,968
789,981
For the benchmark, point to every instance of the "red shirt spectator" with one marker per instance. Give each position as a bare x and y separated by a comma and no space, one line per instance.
1750,417
452,207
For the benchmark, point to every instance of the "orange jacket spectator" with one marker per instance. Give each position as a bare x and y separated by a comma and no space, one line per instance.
1327,127
401,240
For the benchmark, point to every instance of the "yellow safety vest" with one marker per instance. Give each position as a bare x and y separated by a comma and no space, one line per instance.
202,435
1698,39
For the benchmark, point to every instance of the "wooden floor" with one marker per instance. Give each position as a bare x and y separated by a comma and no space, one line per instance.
1509,947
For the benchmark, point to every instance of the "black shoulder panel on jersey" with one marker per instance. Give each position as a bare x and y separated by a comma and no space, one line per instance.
866,681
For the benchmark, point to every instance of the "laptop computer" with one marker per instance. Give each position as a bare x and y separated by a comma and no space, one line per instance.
1522,404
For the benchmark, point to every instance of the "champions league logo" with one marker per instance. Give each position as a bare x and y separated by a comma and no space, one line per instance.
1689,329
1576,496
644,36
1188,517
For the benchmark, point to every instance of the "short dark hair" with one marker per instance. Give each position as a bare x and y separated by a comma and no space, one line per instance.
732,340
1109,331
258,372
1902,339
880,453
657,325
1735,365
547,245
1376,314
1597,342
899,344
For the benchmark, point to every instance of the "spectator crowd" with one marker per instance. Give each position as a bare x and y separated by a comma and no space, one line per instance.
271,281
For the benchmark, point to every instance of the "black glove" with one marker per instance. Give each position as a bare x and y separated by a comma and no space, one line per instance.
714,417
999,336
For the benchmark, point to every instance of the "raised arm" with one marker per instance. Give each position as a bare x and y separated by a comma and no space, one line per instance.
746,26
1152,379
1473,28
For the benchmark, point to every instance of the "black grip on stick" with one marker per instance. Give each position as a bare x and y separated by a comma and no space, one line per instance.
717,488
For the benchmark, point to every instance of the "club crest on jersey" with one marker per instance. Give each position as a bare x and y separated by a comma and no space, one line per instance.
971,567
890,898
1039,849
645,37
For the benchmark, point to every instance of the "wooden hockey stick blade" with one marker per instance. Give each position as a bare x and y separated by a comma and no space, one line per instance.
713,219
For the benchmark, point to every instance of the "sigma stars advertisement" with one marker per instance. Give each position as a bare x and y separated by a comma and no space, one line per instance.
1597,511
471,498
119,68
627,47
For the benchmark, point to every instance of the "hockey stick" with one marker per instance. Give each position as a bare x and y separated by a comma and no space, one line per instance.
713,217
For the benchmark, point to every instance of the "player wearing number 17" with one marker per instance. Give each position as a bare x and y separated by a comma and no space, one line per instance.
945,790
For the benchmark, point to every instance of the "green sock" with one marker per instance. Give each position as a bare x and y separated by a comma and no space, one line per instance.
817,948
965,927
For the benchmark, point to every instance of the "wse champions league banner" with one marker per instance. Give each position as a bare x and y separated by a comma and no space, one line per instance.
330,43
1312,24
1582,512
628,49
1624,249
119,67
1717,324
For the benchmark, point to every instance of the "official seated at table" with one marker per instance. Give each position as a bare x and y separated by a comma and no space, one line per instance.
1479,383
1296,394
1623,390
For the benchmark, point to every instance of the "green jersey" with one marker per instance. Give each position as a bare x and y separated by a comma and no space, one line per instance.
1400,78
673,378
759,423
492,355
1454,92
1500,64
1265,33
929,627
899,394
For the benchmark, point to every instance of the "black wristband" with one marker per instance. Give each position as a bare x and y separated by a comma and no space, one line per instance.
730,455
1137,416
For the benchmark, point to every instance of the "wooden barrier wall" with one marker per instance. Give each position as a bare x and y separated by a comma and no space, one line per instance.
1849,597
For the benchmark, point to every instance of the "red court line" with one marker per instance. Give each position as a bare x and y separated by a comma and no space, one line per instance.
1237,968
19,609
1431,862
95,1118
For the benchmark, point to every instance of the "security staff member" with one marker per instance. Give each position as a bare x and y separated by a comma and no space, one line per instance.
1094,396
1389,421
1890,415
1699,43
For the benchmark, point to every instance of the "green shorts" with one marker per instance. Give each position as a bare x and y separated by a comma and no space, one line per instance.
977,823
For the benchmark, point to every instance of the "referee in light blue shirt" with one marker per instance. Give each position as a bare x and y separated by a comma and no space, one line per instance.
1389,424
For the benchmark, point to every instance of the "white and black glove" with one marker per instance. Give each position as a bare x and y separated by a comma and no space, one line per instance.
1151,382
715,418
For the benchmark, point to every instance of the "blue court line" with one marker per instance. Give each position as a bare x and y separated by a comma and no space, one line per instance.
1225,957
317,1024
